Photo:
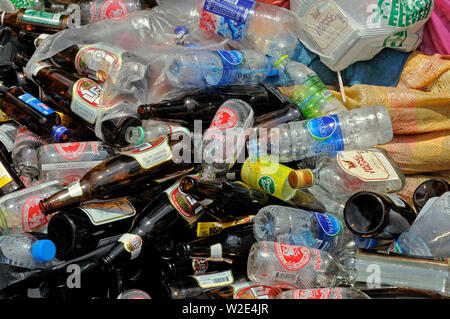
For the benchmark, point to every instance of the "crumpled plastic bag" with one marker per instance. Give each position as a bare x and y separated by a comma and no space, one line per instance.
345,31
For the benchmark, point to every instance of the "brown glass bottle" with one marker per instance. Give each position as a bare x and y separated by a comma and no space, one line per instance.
117,173
9,181
34,21
287,114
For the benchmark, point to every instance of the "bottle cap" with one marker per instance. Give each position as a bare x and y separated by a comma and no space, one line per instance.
301,178
61,134
43,250
181,30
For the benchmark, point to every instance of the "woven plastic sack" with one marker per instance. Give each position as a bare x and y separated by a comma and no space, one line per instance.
345,31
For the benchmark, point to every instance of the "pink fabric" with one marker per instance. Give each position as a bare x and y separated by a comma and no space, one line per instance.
280,3
436,35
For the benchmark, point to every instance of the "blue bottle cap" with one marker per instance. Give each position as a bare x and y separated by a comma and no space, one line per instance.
43,250
61,134
181,30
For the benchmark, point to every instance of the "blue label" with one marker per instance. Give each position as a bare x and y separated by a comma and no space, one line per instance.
229,17
231,61
328,134
36,104
328,228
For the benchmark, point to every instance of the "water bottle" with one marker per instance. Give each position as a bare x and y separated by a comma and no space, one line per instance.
300,227
358,128
224,140
308,91
201,68
323,293
429,234
26,250
151,130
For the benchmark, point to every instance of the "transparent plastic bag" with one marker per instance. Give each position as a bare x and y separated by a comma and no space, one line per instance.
346,31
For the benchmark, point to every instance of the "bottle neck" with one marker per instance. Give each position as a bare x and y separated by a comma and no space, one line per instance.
134,135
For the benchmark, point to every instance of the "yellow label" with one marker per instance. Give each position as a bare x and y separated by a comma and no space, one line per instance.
3,117
268,175
210,228
4,177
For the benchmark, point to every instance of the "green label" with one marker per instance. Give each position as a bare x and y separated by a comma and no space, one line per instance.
396,40
267,184
22,3
402,13
41,17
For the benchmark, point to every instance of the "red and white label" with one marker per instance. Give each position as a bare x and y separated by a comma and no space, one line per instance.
86,99
292,257
257,292
132,243
71,151
32,216
367,165
224,119
113,10
311,293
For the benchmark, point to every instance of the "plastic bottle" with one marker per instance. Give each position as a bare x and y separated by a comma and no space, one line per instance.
26,250
429,234
201,68
134,294
151,130
300,227
358,128
324,293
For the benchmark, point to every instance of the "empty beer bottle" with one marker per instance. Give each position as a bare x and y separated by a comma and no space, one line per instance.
33,114
289,113
35,21
80,230
152,160
431,188
177,268
203,105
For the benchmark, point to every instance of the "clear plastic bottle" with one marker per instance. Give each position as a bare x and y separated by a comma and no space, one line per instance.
69,161
26,250
150,130
134,294
24,154
308,92
358,128
19,211
201,68
224,140
300,227
429,234
323,293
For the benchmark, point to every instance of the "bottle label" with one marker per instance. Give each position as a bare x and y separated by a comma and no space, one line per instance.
3,117
210,228
187,206
132,244
75,190
97,57
18,4
214,279
36,104
328,134
216,253
5,178
250,291
268,176
199,265
324,293
108,212
86,99
328,228
7,136
152,153
225,118
395,248
231,61
110,10
292,257
310,95
32,217
227,17
41,17
25,135
73,151
367,165
72,166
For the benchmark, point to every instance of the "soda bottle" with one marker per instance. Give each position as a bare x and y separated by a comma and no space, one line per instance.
308,92
33,114
224,140
26,250
153,160
200,68
19,211
231,244
323,293
8,131
301,228
80,230
378,216
426,190
24,154
70,161
35,21
203,104
358,128
428,235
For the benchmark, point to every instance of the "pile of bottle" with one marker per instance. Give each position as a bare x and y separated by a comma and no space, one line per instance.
283,193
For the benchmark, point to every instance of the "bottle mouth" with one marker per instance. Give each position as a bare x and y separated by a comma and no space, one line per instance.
44,206
365,214
428,189
187,184
134,135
